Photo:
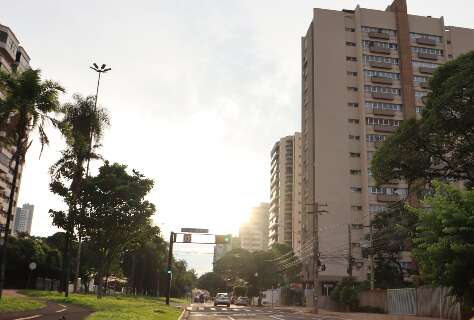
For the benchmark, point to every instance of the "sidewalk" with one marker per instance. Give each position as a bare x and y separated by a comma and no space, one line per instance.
354,315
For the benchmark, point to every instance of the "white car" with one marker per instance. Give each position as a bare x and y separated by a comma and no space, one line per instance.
223,299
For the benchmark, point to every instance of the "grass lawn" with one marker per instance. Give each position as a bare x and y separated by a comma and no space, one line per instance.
10,304
117,307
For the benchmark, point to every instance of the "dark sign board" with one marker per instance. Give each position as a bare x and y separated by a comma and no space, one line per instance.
194,230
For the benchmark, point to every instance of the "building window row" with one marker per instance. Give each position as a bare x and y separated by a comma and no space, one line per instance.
369,172
390,32
389,60
383,121
388,190
355,172
353,137
421,79
383,106
414,36
352,88
375,138
376,208
350,29
356,189
419,109
379,44
370,155
382,74
353,121
438,52
351,59
350,44
421,94
369,88
354,154
353,104
424,64
352,73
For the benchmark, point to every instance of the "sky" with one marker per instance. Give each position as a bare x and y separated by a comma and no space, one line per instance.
199,92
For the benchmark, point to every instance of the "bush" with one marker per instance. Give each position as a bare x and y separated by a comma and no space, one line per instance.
346,294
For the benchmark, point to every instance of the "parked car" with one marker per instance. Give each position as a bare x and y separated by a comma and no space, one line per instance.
222,299
242,301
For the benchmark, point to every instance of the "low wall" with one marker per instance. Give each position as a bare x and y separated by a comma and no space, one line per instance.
374,298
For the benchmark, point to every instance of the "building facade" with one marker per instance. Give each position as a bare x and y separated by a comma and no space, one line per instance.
13,58
363,72
285,225
23,219
221,249
253,233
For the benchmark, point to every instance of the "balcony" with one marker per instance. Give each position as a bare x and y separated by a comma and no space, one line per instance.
428,56
383,112
389,129
425,85
388,197
426,70
383,96
426,41
381,80
382,65
378,49
379,35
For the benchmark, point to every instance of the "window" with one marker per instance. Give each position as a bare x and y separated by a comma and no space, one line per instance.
438,52
352,89
3,36
419,109
353,121
350,44
414,36
369,172
357,226
351,59
356,208
421,94
352,137
370,155
379,44
388,190
383,121
354,154
369,88
382,74
4,160
383,106
375,138
356,189
367,29
355,172
421,79
423,64
389,60
376,208
353,104
351,73
350,29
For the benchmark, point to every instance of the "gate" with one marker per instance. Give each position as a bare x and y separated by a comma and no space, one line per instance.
401,301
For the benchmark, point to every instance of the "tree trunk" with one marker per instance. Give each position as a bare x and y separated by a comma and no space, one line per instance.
100,274
132,280
17,157
78,265
66,264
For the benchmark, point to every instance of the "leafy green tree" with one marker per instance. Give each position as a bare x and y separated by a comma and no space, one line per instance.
392,233
212,282
116,211
82,126
440,144
444,242
27,105
346,294
184,279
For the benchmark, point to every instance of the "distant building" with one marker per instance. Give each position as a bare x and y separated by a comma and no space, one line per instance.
285,225
12,58
221,249
23,219
253,233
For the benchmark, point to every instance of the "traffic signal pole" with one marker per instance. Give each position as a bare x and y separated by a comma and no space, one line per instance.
169,274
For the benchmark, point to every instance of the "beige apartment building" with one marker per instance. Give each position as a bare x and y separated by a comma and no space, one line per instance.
12,58
285,225
363,72
253,233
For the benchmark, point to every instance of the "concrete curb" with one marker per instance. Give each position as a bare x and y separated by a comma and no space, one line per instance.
185,314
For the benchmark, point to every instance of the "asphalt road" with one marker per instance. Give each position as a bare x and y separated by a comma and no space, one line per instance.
52,311
209,312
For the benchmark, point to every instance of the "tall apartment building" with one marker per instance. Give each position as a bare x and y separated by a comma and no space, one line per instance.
253,233
13,58
23,219
221,249
363,72
285,225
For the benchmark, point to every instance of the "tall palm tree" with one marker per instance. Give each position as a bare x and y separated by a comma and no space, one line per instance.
27,105
83,125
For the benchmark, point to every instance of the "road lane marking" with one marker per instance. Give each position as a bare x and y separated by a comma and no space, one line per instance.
26,318
213,309
60,310
230,318
201,308
61,305
276,317
224,309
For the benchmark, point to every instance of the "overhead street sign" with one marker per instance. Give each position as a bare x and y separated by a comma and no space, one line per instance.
194,230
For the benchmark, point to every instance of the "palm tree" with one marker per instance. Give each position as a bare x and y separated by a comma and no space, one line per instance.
83,125
27,105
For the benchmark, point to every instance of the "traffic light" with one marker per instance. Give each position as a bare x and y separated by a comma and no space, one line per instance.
187,238
223,239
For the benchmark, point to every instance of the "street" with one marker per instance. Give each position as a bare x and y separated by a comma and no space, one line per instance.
208,311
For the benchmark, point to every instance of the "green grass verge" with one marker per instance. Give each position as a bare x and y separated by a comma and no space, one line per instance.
11,304
117,307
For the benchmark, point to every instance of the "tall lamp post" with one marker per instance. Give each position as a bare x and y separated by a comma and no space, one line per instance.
103,69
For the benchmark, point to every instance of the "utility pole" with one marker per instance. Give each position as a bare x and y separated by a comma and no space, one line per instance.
349,257
315,257
371,258
170,258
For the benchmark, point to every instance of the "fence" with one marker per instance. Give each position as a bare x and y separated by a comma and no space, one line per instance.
401,301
